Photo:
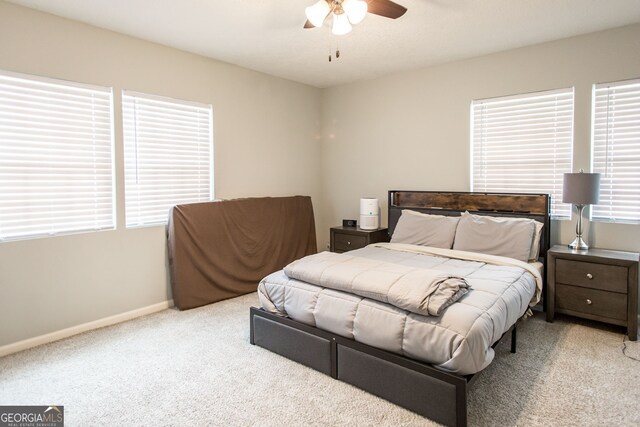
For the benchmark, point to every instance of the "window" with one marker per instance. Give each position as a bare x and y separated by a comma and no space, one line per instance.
168,155
56,157
523,144
615,137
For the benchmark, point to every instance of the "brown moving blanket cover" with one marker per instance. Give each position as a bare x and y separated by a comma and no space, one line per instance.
219,250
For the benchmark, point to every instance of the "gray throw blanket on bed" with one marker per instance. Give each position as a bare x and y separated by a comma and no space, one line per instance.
419,290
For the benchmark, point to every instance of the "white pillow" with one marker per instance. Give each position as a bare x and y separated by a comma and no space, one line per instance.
508,237
534,253
416,228
537,236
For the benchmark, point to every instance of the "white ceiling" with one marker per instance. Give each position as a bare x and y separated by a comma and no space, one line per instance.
267,35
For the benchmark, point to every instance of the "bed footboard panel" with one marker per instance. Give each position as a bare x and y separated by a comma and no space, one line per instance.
416,386
437,399
291,342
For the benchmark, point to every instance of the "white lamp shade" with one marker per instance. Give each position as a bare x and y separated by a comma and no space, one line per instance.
341,24
317,13
356,10
581,188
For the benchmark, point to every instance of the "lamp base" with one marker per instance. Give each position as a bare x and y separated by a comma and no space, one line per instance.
578,244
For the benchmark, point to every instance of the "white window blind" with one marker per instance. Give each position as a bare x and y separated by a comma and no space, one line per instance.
168,154
56,157
523,144
616,150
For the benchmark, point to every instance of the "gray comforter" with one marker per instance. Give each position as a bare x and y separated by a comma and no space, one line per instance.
457,341
418,290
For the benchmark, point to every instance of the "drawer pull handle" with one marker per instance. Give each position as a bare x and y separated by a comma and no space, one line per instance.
589,276
348,243
589,302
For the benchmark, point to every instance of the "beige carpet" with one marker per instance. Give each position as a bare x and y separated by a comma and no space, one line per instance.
198,368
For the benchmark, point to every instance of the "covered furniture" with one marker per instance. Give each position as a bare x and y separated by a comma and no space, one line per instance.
219,250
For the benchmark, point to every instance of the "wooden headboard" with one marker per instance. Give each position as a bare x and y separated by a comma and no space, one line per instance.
535,206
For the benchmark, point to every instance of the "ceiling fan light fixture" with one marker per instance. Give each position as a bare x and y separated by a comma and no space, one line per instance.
356,10
317,13
341,25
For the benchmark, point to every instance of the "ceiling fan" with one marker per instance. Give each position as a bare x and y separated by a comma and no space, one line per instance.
349,12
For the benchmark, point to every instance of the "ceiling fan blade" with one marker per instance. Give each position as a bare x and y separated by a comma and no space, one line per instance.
308,24
386,8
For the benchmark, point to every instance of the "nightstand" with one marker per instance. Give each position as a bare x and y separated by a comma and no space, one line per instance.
595,284
345,239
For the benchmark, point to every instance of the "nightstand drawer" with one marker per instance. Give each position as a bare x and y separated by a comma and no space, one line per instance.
591,301
592,275
348,242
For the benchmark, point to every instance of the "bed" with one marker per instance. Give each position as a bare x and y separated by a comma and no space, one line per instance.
429,360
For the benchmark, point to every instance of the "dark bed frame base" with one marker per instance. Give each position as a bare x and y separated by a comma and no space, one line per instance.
419,387
414,385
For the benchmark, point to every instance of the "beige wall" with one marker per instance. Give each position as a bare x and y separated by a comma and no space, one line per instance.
266,143
410,131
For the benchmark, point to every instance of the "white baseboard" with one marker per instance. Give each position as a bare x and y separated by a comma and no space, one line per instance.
74,330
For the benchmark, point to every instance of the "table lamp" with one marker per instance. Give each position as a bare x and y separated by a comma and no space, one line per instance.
580,189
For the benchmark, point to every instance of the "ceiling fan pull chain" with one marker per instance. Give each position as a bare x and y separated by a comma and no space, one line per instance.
337,54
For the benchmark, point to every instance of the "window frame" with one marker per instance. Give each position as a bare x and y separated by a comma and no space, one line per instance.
133,96
567,144
52,117
609,87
